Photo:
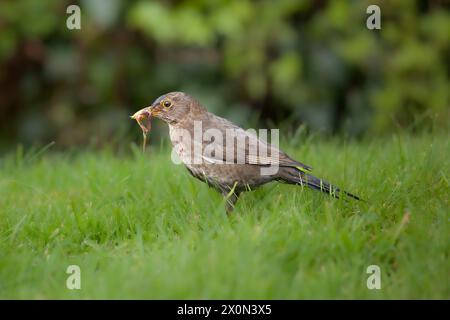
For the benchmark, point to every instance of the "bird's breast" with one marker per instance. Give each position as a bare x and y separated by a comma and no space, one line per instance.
184,145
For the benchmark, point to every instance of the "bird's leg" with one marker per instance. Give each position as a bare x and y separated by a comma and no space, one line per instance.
231,197
230,200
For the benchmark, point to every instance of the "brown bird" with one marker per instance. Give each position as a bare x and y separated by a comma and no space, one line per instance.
225,156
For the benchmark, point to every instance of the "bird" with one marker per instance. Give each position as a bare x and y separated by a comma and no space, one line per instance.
222,154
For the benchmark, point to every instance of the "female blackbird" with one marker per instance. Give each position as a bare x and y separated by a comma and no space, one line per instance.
223,155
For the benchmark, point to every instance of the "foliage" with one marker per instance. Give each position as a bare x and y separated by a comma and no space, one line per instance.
307,61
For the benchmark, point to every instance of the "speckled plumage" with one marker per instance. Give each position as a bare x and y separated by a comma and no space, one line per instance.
222,170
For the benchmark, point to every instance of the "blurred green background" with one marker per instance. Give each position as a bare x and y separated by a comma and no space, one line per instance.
267,63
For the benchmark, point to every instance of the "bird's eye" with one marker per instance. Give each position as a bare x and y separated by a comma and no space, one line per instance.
167,103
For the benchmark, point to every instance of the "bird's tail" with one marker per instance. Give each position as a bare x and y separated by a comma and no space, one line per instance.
300,177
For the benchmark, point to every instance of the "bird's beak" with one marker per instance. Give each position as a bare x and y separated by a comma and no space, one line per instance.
143,118
142,113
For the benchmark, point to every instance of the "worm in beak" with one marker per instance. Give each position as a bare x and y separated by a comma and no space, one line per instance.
143,118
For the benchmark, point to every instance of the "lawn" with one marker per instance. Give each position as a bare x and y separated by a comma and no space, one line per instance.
139,226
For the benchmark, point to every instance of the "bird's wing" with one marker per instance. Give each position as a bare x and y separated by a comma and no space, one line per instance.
247,147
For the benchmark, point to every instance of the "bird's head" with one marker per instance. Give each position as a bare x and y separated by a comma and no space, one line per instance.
172,107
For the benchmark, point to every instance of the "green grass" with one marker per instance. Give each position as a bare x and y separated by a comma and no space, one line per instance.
140,227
